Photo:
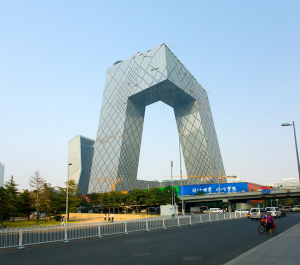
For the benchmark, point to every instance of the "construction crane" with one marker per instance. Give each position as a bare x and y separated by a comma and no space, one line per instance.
112,188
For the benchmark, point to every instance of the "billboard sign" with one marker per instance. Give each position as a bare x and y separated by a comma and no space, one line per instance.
213,188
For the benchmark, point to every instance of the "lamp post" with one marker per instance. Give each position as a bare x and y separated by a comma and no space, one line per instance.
67,199
182,205
172,187
298,165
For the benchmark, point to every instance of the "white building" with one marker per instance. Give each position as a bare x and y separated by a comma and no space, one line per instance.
288,182
2,166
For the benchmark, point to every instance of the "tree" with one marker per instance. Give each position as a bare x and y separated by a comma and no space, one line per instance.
37,182
85,204
166,195
12,197
73,198
26,203
152,198
3,205
48,203
103,199
200,193
137,197
115,200
93,200
125,201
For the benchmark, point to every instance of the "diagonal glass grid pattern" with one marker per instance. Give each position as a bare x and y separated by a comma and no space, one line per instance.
131,85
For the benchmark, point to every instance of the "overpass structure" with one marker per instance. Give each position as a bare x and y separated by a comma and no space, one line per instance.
233,197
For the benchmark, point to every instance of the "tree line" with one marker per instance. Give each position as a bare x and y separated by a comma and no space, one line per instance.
131,201
42,198
51,201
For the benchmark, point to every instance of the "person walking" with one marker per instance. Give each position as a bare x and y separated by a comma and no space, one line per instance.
62,221
104,217
270,224
112,217
108,217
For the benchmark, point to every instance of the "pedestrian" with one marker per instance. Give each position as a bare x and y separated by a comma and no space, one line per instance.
104,217
108,217
270,224
62,221
112,217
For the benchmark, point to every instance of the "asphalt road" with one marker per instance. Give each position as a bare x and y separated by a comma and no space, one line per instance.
209,243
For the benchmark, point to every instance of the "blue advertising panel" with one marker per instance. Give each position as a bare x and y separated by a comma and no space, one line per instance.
214,188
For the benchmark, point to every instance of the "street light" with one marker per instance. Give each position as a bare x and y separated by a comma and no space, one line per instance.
67,199
298,165
67,204
172,182
182,206
172,188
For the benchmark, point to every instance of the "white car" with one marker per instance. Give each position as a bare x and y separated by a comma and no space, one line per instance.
241,211
213,210
295,208
274,211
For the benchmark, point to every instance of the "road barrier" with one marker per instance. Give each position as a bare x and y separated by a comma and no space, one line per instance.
29,236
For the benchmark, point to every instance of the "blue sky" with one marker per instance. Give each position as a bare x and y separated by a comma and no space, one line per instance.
53,61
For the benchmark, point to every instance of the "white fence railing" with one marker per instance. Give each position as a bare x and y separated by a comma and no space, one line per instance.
28,236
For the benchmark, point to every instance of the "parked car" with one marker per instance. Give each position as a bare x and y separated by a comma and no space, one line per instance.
213,210
274,211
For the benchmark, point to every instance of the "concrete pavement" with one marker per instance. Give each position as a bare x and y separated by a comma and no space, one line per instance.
282,249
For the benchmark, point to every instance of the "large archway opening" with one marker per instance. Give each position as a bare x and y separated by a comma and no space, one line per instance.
160,144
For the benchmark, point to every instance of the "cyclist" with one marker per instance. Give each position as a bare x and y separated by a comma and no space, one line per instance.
263,218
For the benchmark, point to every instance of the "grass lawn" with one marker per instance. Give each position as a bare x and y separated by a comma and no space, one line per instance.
25,223
74,218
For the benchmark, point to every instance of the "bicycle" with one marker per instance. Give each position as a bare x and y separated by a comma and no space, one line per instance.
262,228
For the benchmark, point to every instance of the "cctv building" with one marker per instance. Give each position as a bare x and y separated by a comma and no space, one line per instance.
131,85
80,157
2,166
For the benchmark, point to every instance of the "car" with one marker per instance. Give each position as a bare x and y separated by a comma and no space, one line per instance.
295,208
285,208
241,211
274,211
213,210
256,213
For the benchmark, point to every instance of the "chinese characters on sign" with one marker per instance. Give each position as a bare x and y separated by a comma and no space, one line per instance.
214,188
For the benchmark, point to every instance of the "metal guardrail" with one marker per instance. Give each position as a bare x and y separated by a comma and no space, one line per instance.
29,236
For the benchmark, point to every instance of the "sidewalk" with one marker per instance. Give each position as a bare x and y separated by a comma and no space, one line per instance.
282,249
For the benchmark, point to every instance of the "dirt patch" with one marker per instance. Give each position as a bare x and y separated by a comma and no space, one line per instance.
98,217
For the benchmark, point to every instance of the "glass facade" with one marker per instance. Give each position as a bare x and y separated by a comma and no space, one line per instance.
2,166
131,85
80,154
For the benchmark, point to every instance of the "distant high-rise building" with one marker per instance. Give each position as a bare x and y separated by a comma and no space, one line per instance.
80,155
2,166
131,85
